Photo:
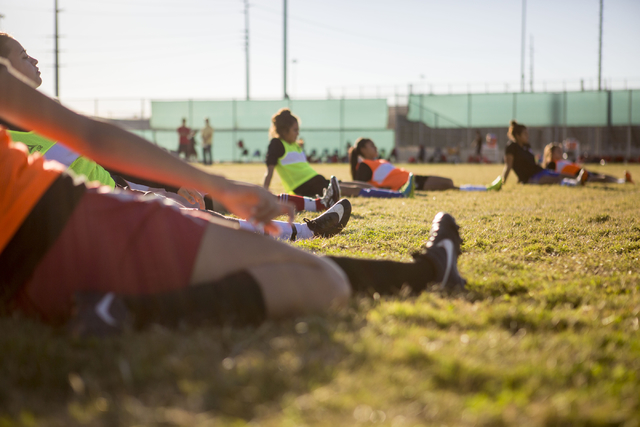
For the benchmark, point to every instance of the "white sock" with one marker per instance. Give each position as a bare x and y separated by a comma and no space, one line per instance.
310,204
302,230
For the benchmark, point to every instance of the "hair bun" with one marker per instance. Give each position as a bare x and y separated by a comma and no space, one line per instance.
513,123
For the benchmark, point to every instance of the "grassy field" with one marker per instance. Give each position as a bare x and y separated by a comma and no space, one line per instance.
547,334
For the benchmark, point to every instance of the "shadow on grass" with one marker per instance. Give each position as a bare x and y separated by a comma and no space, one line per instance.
230,373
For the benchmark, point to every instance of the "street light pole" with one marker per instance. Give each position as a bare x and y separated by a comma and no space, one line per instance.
522,54
286,96
246,42
56,50
600,50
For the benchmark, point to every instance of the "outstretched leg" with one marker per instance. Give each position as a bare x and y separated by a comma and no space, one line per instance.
433,183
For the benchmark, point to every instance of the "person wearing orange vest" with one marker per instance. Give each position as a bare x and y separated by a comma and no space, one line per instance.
287,158
553,159
64,245
366,167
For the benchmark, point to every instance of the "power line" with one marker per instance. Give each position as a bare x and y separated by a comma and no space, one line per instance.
600,49
56,37
524,21
246,45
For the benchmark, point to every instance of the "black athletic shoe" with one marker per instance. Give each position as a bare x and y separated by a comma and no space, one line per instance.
442,250
331,194
332,221
98,315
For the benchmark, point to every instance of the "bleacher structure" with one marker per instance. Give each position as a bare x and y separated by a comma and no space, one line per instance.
604,122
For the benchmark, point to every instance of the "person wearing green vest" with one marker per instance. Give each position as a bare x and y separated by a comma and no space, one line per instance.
52,151
331,222
286,156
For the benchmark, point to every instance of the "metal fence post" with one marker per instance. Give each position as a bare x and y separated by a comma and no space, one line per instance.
629,128
233,133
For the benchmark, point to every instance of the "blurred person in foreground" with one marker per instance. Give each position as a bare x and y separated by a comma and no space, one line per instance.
67,253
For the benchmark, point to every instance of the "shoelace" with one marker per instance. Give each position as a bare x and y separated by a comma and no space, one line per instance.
319,222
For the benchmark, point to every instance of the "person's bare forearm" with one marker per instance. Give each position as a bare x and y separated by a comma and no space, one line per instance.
104,143
505,173
267,178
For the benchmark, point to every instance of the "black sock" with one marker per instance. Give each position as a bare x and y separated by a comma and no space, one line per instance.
385,277
233,300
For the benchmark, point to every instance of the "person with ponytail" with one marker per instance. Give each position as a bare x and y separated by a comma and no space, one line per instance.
102,261
518,156
286,157
184,198
367,167
554,160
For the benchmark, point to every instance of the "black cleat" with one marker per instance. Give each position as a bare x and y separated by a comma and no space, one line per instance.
442,250
332,221
331,194
98,315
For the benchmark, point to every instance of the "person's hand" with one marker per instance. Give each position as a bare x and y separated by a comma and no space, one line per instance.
192,195
254,204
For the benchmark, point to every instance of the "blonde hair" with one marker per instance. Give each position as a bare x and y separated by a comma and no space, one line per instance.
282,122
547,156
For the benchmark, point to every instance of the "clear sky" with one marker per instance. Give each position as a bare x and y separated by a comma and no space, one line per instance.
195,48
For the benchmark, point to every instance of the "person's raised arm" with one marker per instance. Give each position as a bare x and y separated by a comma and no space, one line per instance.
267,176
508,165
118,149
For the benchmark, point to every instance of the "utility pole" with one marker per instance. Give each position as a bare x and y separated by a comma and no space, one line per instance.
246,42
600,50
531,64
56,36
286,96
522,54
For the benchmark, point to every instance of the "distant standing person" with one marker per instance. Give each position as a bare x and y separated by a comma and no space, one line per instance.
207,142
477,143
184,142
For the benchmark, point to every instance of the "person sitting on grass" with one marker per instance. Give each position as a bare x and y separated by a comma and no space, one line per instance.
13,51
366,166
553,159
286,156
518,156
97,259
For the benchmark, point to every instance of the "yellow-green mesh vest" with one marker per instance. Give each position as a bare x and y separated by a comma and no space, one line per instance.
293,167
81,166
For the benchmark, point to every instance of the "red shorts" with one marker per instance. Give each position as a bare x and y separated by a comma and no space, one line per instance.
114,243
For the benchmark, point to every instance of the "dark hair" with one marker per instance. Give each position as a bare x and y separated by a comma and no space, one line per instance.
4,37
282,122
354,152
515,129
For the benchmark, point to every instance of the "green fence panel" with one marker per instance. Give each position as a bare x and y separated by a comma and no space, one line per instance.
365,113
219,113
317,115
257,114
538,109
165,114
489,109
586,108
589,108
622,111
